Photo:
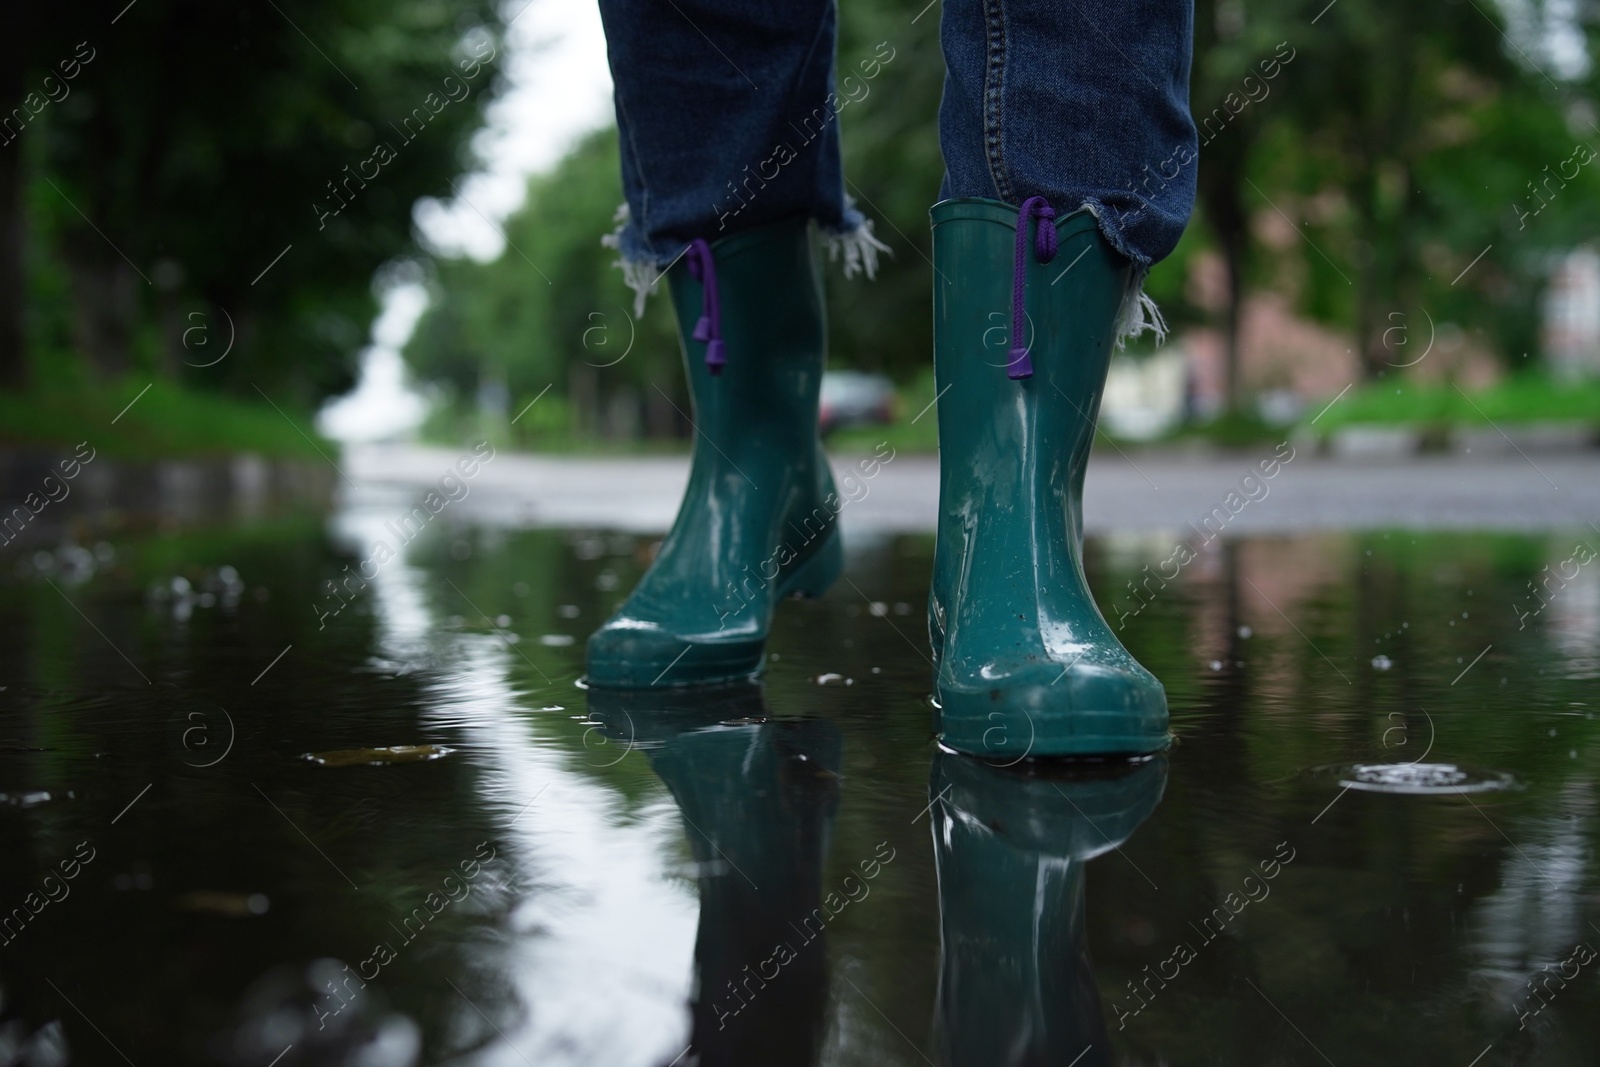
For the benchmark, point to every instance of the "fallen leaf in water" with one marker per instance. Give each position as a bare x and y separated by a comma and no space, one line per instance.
235,905
378,757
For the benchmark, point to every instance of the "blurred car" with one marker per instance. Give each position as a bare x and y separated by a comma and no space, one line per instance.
855,398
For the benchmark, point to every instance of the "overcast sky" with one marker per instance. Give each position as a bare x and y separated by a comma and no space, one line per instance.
554,88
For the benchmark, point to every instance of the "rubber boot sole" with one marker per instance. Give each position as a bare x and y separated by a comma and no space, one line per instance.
1015,727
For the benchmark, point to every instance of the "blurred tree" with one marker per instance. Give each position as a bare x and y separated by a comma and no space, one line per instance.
13,87
1354,157
551,312
893,168
1236,67
207,171
1402,138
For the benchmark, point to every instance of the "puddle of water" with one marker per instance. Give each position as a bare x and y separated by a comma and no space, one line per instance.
788,872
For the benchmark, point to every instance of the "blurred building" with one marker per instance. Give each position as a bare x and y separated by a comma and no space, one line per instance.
1572,316
1145,398
1287,361
1280,355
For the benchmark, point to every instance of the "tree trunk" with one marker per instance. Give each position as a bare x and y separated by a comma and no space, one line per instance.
1234,252
14,367
1221,180
1371,281
106,297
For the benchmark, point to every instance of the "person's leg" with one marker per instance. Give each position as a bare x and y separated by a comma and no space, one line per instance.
730,153
1077,117
728,121
1084,104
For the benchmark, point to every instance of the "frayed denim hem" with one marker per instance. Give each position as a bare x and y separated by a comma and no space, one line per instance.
640,268
1138,314
851,241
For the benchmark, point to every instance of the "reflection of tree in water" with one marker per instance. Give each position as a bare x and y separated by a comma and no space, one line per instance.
1574,614
1368,924
1521,932
159,941
30,1026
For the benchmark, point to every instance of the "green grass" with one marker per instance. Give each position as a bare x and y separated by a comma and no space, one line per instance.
167,420
1433,407
915,401
902,436
545,428
1521,399
1238,429
1227,431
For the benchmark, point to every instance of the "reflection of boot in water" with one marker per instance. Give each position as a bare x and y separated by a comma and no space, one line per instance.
757,798
1016,986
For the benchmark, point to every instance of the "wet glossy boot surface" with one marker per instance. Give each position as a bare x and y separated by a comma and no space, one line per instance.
1025,663
758,520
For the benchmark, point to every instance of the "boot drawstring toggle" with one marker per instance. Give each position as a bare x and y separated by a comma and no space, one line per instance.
708,329
1044,249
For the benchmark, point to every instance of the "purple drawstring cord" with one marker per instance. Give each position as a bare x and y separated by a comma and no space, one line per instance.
1044,248
709,327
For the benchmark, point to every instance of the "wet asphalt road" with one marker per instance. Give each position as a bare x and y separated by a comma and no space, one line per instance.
1126,491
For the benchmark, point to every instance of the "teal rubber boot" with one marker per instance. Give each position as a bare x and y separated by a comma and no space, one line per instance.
758,521
1011,845
1025,663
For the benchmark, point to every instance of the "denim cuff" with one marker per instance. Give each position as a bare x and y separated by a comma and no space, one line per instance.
850,240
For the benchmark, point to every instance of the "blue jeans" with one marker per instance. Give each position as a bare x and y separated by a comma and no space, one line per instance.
729,110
